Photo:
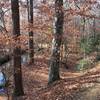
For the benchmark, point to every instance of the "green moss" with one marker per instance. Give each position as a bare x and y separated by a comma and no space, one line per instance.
90,44
83,64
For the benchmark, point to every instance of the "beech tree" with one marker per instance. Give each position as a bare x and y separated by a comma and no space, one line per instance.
18,90
56,42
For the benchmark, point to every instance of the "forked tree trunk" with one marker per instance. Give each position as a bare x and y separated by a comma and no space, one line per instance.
56,43
18,90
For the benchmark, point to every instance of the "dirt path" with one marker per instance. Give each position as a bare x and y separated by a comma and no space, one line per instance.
73,86
92,93
35,79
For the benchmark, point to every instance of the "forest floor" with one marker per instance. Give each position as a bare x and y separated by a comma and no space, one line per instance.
72,86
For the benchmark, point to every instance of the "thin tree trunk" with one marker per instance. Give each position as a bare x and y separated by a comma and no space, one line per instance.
56,43
2,21
18,90
30,20
94,27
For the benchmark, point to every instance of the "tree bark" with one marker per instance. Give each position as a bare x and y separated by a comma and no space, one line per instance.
56,43
18,89
30,20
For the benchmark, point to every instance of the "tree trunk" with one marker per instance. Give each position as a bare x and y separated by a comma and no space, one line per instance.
2,21
30,20
56,43
18,90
